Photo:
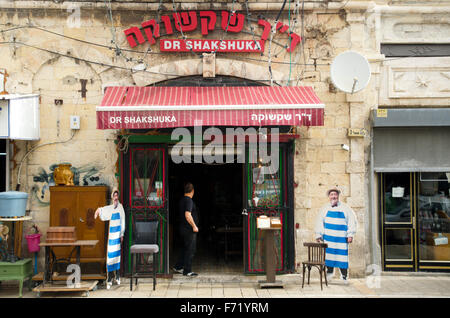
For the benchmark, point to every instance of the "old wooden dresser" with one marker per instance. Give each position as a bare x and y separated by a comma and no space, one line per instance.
76,206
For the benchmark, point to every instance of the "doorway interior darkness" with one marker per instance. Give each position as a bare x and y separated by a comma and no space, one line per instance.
239,237
218,196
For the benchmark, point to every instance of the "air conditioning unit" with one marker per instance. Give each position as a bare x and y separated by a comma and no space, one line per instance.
19,117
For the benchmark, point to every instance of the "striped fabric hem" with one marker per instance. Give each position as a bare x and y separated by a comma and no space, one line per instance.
331,263
336,264
113,267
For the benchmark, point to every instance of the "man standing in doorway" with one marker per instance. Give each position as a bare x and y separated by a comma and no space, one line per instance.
336,226
188,230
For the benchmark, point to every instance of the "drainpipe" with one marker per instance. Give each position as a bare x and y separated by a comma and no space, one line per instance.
376,252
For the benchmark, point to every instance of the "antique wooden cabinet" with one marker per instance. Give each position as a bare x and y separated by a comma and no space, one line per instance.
76,206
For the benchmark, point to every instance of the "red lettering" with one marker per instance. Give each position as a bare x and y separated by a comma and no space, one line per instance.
233,23
205,24
134,34
188,21
151,29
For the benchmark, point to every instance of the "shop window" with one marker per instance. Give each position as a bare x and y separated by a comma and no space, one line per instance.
397,198
147,178
398,244
434,216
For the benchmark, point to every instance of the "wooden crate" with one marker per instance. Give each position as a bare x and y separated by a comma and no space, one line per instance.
61,234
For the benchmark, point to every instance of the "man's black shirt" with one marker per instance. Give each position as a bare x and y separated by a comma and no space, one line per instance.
187,204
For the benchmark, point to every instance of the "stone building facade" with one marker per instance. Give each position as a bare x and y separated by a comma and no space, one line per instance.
70,51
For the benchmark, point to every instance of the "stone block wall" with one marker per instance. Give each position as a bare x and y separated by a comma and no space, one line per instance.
320,162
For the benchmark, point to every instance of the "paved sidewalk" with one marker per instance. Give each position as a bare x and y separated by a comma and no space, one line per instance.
388,285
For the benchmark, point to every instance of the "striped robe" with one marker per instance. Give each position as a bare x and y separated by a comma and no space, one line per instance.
116,218
334,225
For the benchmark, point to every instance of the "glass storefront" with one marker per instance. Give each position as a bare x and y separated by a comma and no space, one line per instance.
434,216
415,220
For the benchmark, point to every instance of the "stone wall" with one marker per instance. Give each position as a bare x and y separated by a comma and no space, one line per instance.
320,162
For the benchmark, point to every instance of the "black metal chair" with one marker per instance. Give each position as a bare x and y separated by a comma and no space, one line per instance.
316,258
145,242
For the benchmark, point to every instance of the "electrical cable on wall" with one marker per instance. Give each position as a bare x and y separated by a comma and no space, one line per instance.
181,29
228,24
33,149
83,60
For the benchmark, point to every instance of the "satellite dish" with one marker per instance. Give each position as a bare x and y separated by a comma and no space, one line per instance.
350,72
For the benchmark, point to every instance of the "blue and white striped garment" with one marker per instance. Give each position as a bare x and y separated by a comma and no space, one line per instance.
335,235
113,259
334,225
116,218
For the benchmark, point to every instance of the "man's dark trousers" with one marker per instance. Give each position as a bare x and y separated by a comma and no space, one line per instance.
189,239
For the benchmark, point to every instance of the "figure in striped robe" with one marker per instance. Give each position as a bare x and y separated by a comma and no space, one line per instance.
115,214
336,226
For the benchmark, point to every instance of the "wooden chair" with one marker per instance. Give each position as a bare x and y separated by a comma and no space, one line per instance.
144,243
316,258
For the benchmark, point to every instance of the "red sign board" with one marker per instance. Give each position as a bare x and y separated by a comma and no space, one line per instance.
199,45
190,21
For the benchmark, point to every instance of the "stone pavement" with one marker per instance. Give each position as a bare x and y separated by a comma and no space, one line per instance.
387,285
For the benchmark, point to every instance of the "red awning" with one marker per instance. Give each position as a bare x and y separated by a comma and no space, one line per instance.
165,107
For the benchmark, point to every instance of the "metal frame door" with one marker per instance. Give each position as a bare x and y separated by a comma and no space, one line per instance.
145,197
267,195
398,221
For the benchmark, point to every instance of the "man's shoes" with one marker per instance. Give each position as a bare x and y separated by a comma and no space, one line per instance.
191,274
329,277
344,279
118,281
179,271
108,285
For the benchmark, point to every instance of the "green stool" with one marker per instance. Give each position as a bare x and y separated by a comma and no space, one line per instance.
20,270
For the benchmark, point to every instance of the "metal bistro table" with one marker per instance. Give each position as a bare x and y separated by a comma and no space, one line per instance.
48,271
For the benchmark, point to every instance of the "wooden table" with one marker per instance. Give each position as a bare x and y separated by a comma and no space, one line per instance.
19,270
48,272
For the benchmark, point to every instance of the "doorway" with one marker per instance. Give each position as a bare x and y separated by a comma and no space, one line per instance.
219,197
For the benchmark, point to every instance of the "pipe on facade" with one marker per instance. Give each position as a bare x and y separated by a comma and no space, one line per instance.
376,255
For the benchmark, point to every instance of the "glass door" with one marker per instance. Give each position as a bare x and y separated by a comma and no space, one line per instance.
265,195
145,198
398,230
415,214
